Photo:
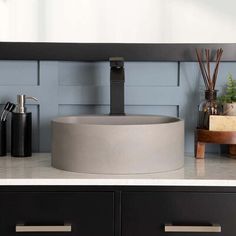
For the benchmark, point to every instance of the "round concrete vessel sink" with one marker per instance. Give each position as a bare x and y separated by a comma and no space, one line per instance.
118,144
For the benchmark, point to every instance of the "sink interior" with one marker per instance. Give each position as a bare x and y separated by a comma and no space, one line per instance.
116,120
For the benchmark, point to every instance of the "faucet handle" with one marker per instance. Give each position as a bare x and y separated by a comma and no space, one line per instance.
117,62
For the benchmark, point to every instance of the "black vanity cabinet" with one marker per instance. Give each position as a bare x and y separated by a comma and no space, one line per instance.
82,213
117,211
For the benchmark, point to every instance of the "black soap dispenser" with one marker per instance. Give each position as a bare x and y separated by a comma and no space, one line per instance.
21,129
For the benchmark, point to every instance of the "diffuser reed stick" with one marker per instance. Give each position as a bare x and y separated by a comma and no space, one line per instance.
209,81
204,76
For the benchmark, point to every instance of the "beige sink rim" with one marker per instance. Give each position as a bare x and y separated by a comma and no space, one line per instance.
116,120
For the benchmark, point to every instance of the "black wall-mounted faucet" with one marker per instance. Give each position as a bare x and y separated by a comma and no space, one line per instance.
117,80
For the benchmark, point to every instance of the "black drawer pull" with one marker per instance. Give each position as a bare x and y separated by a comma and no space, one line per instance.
192,229
43,228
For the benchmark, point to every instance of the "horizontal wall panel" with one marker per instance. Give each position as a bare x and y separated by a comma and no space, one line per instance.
153,110
18,73
133,95
74,110
84,95
83,73
153,96
151,74
136,73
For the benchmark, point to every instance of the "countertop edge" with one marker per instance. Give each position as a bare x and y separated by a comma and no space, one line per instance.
117,182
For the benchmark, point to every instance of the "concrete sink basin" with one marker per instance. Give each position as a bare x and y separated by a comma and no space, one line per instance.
118,144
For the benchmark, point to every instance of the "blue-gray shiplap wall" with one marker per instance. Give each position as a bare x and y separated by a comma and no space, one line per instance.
73,88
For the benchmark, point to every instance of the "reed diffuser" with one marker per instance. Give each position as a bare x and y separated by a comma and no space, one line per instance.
209,106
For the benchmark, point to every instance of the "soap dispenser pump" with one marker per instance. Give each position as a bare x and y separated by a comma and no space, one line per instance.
21,129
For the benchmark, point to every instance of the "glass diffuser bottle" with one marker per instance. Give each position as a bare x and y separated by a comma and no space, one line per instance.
210,106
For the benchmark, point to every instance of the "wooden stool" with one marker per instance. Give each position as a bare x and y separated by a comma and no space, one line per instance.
203,136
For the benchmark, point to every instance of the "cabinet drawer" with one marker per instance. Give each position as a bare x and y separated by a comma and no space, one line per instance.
147,213
82,213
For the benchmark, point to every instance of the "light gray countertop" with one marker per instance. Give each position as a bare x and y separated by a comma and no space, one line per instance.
214,170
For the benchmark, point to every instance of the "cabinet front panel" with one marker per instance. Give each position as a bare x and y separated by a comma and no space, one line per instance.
178,214
57,213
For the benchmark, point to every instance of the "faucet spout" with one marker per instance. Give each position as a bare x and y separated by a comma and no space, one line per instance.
117,80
